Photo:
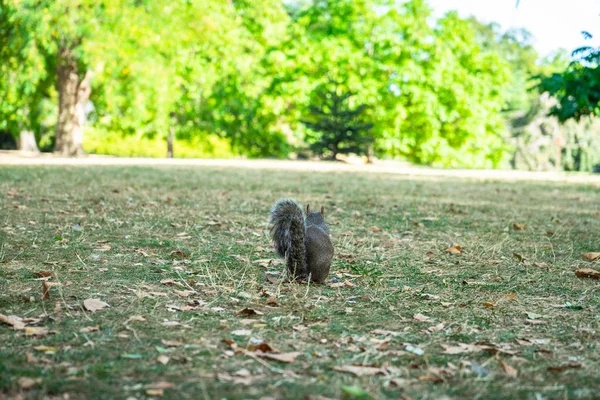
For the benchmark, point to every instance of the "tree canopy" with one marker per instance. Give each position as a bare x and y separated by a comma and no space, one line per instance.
449,91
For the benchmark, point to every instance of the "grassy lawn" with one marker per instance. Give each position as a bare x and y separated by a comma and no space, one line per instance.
198,310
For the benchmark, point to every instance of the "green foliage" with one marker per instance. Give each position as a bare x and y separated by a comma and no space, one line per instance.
577,88
337,125
448,92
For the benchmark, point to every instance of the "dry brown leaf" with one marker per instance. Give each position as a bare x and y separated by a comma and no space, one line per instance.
336,284
171,343
431,378
455,249
183,293
436,328
359,370
375,229
179,253
162,359
519,227
103,247
461,348
385,332
348,283
168,282
35,331
45,290
45,348
264,347
155,392
534,322
488,304
138,318
590,256
284,357
588,273
272,301
30,358
421,317
14,321
160,385
511,296
510,371
27,383
42,274
248,311
561,368
94,305
90,329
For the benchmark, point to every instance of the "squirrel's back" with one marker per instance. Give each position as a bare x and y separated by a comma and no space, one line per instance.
304,243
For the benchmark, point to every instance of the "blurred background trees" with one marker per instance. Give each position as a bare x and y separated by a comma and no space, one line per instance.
245,78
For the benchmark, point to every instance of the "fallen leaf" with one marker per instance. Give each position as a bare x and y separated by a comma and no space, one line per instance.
248,311
431,378
590,256
35,331
171,343
385,332
155,392
42,274
375,229
284,357
241,332
336,284
436,328
534,322
264,347
455,249
168,282
14,321
488,304
461,348
27,383
183,293
510,371
94,305
561,368
421,317
519,227
178,253
162,359
45,348
588,273
359,370
90,329
45,290
511,296
138,318
160,385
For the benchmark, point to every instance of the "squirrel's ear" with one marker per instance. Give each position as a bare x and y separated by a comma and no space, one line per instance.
307,209
322,211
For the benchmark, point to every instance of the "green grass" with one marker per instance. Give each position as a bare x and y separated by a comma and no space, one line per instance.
390,233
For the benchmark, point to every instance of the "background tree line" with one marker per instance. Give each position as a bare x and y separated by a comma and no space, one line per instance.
271,78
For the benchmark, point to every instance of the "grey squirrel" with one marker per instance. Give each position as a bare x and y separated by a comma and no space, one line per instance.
304,243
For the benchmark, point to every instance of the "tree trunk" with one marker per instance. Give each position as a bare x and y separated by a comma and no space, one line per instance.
27,142
73,93
170,140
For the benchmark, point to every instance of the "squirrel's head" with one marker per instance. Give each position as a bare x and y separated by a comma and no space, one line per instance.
316,218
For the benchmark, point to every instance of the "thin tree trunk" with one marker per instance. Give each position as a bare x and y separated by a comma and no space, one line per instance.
170,140
73,93
27,142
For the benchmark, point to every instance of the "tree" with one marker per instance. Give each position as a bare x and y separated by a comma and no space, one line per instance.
577,88
338,126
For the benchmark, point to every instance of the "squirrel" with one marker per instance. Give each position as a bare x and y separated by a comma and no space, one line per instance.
304,243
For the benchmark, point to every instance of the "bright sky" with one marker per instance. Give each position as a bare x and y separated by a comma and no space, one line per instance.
554,23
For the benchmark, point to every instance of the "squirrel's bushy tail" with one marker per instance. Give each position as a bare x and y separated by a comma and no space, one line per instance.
287,230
